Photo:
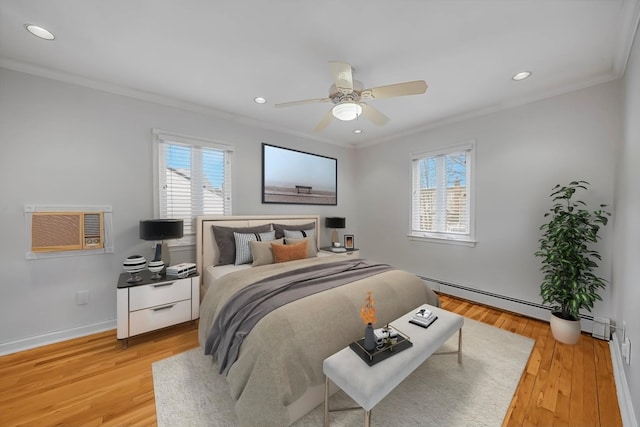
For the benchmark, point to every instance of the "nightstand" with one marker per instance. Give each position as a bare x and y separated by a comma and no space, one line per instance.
350,252
154,304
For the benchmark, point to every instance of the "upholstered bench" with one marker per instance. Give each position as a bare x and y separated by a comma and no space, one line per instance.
368,385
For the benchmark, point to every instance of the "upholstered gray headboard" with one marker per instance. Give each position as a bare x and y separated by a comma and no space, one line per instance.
206,248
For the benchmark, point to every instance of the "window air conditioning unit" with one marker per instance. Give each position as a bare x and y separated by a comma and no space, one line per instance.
66,231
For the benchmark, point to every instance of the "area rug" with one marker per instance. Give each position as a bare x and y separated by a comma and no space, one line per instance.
190,393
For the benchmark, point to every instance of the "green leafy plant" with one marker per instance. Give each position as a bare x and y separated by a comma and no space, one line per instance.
567,260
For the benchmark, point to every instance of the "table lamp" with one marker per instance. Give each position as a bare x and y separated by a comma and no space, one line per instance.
161,229
334,223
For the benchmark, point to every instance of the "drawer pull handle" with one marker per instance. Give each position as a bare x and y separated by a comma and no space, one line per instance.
163,307
160,285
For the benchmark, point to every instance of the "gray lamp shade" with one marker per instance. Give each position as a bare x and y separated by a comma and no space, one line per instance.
334,222
161,229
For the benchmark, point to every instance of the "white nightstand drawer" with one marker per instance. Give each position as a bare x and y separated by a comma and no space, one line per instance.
159,293
150,319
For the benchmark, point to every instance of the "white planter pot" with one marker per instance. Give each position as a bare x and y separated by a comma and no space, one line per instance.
565,331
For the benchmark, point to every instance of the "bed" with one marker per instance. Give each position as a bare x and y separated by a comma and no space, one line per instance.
276,376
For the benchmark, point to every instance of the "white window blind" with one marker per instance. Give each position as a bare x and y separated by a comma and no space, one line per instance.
442,194
193,178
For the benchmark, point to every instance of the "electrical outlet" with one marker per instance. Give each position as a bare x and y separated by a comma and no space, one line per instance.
82,297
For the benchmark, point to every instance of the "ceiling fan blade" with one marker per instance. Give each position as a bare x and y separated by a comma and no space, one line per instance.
399,89
374,115
324,122
342,76
306,101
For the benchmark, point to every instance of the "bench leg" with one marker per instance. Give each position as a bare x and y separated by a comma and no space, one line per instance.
460,346
367,418
326,401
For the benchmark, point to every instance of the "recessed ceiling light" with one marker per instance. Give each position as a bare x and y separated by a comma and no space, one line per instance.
259,100
39,32
521,75
357,131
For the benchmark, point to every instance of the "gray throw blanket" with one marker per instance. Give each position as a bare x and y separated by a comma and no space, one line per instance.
243,311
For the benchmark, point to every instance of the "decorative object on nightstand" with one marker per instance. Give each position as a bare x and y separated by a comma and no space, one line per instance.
334,223
368,316
155,267
161,229
133,265
349,242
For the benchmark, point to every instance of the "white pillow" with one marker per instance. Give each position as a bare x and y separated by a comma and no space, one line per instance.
243,249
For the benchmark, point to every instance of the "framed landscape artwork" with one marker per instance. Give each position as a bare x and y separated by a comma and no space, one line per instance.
296,177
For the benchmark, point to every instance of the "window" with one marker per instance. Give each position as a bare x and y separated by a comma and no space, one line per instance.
193,177
442,198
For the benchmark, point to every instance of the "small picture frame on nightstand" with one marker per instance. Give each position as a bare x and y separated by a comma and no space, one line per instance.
348,241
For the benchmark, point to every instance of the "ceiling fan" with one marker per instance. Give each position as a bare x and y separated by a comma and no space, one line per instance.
348,95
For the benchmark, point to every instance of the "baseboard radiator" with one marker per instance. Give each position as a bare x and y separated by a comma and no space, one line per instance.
504,302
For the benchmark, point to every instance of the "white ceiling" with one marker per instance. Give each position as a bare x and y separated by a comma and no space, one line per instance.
216,56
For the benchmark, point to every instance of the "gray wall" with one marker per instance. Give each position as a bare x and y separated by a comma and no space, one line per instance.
72,145
521,153
626,272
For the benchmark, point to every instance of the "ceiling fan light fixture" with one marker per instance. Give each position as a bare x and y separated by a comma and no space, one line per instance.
346,111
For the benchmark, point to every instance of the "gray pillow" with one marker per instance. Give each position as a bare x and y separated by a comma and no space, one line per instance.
312,251
281,227
262,253
243,250
227,243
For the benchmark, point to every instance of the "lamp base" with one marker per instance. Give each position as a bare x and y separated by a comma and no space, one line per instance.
334,236
165,254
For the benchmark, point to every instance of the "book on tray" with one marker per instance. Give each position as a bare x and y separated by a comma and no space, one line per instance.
424,317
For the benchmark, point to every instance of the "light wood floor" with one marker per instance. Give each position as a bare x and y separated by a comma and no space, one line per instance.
92,381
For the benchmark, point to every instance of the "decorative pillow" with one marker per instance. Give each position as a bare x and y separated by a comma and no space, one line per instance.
261,251
312,251
243,250
281,227
227,243
283,253
299,234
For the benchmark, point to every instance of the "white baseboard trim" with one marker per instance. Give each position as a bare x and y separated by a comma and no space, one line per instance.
622,388
10,347
526,308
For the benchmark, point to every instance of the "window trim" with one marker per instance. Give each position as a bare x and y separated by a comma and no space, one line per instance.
163,136
468,239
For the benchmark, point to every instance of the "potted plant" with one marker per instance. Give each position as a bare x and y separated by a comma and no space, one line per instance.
568,261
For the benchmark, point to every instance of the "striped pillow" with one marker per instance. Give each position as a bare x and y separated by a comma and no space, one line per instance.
299,234
243,249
